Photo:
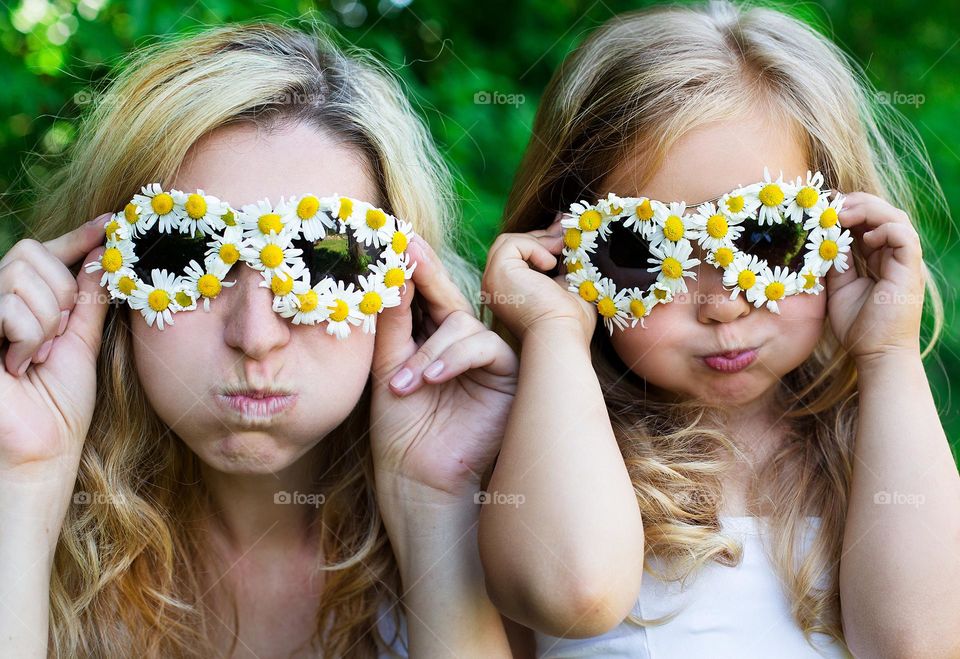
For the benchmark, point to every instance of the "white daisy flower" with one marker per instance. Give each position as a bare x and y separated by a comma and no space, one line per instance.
286,283
198,212
671,260
155,205
825,216
641,215
713,229
377,296
122,284
808,196
311,305
722,257
314,222
808,279
135,220
610,306
585,283
117,257
156,300
344,309
738,204
579,244
743,275
827,248
671,225
342,209
773,196
659,294
636,304
395,270
205,282
773,286
226,248
116,228
402,234
260,220
271,252
371,225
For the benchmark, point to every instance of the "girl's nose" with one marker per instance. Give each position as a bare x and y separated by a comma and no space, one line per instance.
713,300
251,325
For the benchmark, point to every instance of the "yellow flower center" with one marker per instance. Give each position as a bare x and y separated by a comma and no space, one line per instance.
371,303
735,204
807,197
183,299
131,212
281,285
828,250
573,266
774,290
645,210
162,203
717,226
809,280
209,285
723,256
112,259
399,242
126,285
571,238
339,311
673,228
394,277
588,291
112,229
271,256
308,301
660,294
196,206
376,218
672,268
828,217
771,195
746,279
229,218
346,208
158,299
606,307
307,207
229,253
638,308
269,222
590,220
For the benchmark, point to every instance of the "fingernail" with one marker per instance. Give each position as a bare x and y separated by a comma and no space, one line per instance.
434,369
23,367
44,351
402,379
64,316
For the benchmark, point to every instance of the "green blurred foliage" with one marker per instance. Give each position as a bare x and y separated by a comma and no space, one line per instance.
56,53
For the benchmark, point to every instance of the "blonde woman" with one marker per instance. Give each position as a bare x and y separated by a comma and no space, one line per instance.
235,483
775,462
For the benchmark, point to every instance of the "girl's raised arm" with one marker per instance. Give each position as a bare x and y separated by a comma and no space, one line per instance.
561,536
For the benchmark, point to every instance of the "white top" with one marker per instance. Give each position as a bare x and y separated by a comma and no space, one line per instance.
724,612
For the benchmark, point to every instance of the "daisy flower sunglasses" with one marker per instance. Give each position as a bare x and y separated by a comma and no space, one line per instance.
334,260
771,239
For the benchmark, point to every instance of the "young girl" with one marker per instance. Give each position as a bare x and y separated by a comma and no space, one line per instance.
231,479
779,470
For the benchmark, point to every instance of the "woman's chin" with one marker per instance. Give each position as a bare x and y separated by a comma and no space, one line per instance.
249,453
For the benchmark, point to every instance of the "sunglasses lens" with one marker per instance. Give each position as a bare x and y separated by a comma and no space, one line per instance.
337,255
168,251
777,244
623,257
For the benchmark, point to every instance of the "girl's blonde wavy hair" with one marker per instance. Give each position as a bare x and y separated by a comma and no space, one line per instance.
127,573
643,80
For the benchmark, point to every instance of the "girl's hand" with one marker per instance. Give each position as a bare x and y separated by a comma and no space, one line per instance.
879,313
50,327
521,295
439,408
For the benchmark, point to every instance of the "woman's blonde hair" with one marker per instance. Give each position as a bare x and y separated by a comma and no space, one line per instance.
636,85
127,574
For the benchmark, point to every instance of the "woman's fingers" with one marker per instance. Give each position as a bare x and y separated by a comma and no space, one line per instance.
71,247
88,314
20,328
456,327
22,279
433,282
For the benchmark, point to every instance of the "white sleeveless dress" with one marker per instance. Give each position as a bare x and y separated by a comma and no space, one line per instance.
736,612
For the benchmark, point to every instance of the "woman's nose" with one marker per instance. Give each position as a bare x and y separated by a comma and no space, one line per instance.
713,301
251,325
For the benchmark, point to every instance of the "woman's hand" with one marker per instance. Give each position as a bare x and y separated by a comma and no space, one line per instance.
439,409
50,326
878,313
521,295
